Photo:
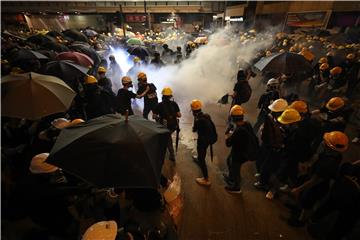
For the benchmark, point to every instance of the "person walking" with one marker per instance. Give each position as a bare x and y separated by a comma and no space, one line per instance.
205,129
240,140
167,113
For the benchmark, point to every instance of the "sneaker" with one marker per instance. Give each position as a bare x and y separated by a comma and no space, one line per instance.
269,195
356,140
203,181
259,185
257,175
284,188
232,189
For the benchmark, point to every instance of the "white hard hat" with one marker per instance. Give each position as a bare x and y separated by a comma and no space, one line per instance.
272,82
278,105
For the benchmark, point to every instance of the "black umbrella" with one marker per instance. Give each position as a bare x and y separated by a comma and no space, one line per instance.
224,99
66,70
48,53
75,35
40,39
140,52
87,50
285,62
25,55
111,152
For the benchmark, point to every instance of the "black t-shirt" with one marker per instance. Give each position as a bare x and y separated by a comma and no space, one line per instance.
123,101
150,95
167,110
239,142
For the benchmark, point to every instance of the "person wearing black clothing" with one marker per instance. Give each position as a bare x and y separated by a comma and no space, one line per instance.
201,127
167,113
124,96
150,97
157,61
242,90
103,81
322,171
344,197
98,101
239,141
271,94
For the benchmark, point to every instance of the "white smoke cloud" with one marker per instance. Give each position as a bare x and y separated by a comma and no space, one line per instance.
209,73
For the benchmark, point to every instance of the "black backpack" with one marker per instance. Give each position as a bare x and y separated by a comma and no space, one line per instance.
253,148
212,134
244,94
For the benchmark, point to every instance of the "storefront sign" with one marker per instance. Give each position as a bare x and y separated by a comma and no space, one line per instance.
307,19
135,18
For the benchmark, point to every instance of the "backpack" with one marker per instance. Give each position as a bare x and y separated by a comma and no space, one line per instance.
253,148
212,134
244,94
169,116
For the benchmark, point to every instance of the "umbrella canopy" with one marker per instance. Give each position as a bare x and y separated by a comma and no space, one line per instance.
140,52
87,50
90,32
134,41
76,57
111,152
33,96
284,63
26,54
66,70
40,39
75,35
55,34
48,53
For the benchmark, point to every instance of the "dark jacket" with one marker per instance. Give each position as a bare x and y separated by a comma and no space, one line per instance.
271,135
98,101
239,142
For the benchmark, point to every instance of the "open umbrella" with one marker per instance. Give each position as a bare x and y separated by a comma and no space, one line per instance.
66,70
134,41
140,52
75,35
79,58
41,39
26,55
55,34
87,50
90,32
284,63
33,96
110,151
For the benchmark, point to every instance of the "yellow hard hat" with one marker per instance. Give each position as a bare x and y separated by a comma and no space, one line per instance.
60,123
336,140
90,79
341,47
195,105
268,53
350,56
300,106
77,121
336,71
330,54
141,76
324,66
125,80
237,110
335,103
323,60
102,70
307,54
167,91
136,59
281,50
104,230
289,116
38,164
278,105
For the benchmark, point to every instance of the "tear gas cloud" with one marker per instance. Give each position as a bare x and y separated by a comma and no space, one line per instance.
211,70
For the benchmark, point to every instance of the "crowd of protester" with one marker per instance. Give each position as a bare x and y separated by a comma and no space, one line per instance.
298,148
